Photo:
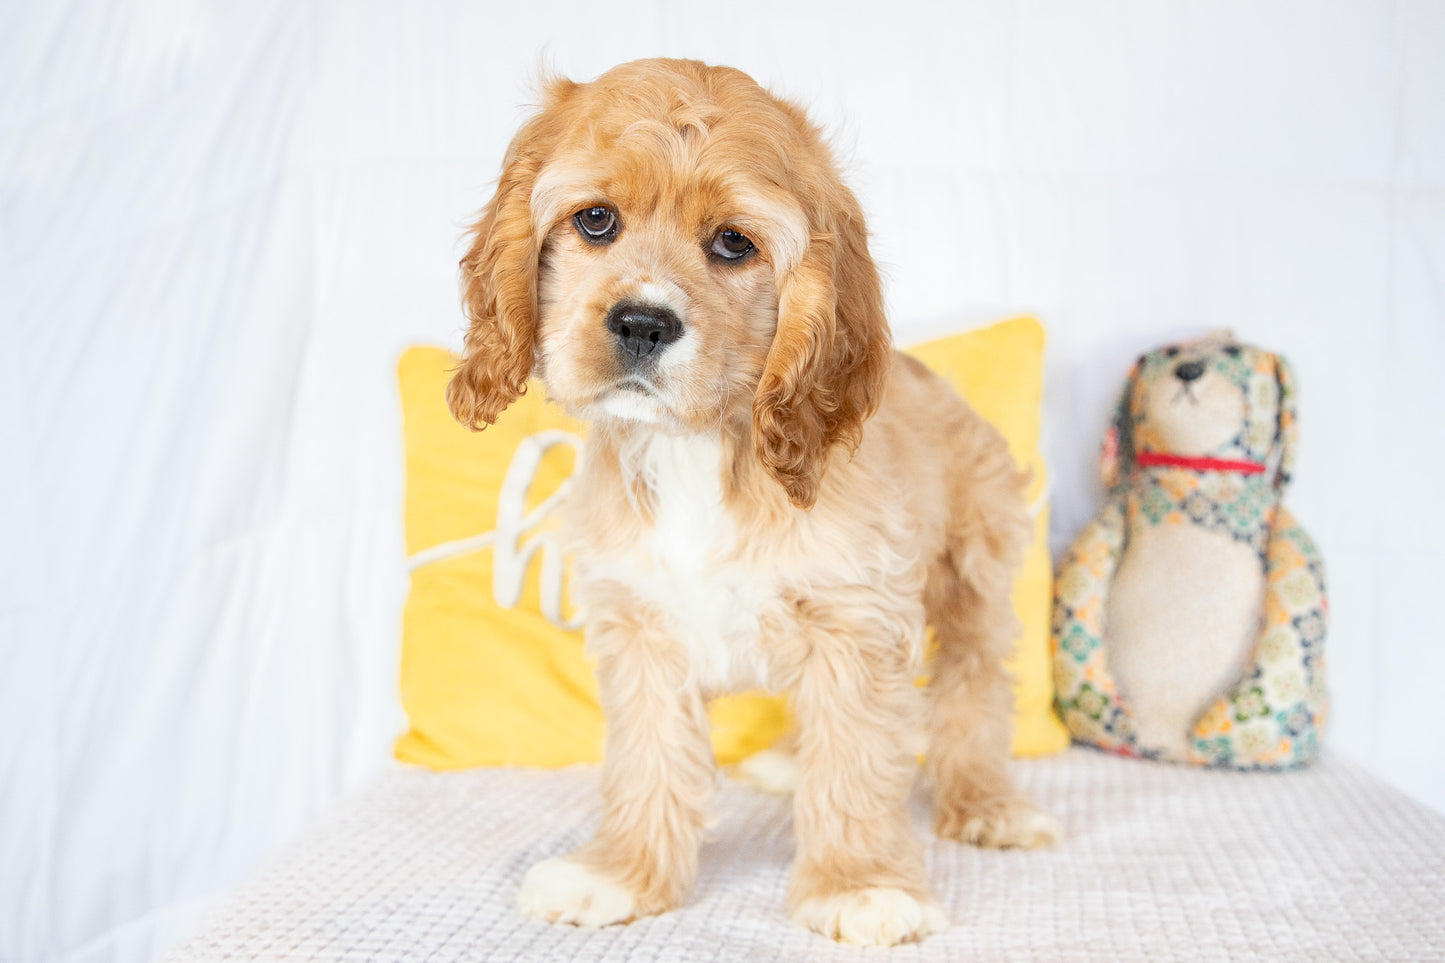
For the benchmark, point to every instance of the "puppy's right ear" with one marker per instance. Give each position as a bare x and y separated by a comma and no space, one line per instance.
499,277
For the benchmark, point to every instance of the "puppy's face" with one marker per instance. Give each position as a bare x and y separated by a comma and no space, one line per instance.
665,238
671,246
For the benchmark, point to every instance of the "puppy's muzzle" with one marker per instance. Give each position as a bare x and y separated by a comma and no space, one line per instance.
642,330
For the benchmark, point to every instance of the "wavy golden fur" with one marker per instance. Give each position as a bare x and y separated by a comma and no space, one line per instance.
770,495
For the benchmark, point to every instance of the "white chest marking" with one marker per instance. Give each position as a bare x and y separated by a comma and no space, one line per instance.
711,604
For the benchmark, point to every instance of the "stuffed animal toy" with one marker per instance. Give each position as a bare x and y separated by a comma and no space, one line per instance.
1189,616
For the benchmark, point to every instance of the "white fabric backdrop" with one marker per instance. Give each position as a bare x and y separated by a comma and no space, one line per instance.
219,225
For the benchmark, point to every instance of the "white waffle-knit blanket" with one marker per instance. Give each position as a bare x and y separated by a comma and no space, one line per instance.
1159,863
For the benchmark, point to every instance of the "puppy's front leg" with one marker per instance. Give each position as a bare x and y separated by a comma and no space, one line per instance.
657,778
859,873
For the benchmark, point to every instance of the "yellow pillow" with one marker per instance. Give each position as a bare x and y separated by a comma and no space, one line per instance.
492,667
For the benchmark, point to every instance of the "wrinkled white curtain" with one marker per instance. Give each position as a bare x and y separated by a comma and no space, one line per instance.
220,223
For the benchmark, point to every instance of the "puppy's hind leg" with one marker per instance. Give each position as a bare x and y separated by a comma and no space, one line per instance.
774,769
969,604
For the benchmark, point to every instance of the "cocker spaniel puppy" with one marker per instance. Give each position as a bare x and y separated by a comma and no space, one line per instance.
770,496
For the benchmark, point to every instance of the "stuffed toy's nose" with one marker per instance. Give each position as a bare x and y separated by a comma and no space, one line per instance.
1189,370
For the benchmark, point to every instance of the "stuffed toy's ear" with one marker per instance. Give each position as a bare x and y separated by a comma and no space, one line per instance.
1116,460
1287,434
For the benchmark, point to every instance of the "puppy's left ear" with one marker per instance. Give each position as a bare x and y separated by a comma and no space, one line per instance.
829,360
499,278
1287,429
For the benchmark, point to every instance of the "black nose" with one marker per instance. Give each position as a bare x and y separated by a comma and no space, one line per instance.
1189,370
642,329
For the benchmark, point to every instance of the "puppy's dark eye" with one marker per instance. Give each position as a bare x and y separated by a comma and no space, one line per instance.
1171,352
1232,350
730,245
597,225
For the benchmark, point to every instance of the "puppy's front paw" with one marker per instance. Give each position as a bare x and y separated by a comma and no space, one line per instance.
879,916
1008,824
560,891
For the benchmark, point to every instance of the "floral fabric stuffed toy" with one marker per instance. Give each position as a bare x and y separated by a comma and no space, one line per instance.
1190,615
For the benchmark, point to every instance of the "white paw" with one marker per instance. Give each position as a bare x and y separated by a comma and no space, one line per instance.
771,770
881,916
560,891
1015,826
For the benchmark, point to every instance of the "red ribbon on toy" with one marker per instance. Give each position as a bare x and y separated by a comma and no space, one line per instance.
1154,459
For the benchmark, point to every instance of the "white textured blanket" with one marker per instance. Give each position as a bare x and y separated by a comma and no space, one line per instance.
1159,863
